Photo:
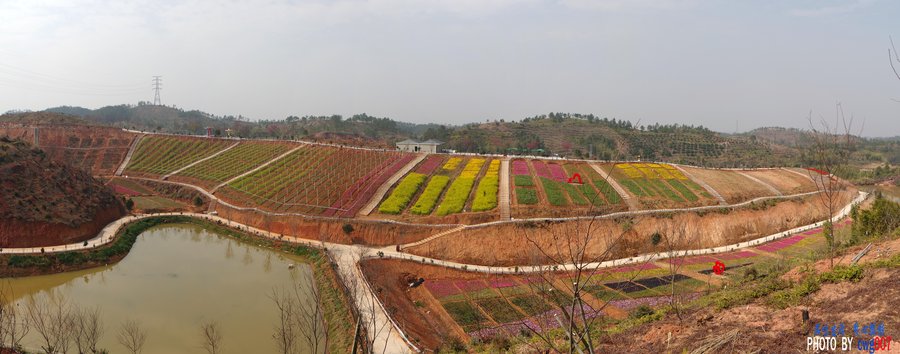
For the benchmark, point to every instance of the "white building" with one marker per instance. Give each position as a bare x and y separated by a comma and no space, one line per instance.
429,146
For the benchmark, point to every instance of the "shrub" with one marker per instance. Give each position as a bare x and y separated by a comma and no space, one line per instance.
348,228
641,311
402,194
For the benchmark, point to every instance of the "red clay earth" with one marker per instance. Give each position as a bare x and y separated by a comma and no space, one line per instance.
43,202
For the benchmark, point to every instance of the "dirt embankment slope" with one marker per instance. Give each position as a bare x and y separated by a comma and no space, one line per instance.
537,243
44,202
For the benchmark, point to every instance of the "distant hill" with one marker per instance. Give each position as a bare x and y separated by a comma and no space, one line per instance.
43,202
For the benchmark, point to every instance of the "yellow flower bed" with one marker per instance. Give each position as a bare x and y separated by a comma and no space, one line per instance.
452,163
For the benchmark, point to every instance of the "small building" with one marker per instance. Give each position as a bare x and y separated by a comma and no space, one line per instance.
409,145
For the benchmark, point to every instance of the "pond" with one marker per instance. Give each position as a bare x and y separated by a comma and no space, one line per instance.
176,278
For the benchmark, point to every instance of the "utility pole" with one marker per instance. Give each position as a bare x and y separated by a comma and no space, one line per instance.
157,85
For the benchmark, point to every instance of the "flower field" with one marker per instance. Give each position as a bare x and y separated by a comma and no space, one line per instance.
659,183
317,179
448,187
233,162
553,179
159,155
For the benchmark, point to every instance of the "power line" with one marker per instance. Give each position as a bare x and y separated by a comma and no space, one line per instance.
157,85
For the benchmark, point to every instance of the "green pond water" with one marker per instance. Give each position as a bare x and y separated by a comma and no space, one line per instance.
174,279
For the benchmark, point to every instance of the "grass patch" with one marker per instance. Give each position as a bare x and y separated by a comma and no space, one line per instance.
526,196
554,192
633,187
576,196
523,181
608,191
681,188
464,313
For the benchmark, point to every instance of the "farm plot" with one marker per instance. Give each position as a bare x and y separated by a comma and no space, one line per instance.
734,187
127,187
233,162
594,188
524,183
458,192
159,155
317,179
98,150
659,185
784,181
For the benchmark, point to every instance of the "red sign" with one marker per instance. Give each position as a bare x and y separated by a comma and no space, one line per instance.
576,177
719,268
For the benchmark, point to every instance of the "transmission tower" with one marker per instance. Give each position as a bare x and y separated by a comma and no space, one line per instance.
157,85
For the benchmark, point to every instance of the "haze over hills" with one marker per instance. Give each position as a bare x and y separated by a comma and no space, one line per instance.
570,135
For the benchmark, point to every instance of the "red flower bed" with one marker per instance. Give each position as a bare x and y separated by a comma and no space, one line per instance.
360,192
781,244
441,288
816,170
502,283
470,285
124,190
430,164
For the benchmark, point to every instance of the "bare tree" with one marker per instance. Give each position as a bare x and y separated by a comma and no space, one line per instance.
892,57
675,240
212,337
829,151
14,324
87,329
50,316
301,316
132,336
285,335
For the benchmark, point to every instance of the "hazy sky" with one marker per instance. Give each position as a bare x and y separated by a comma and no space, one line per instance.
723,64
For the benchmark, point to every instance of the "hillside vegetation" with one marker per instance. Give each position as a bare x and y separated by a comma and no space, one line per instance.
44,202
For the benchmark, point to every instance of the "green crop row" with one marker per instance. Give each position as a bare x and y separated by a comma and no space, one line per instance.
523,181
526,196
591,194
608,191
666,191
429,197
402,194
554,192
681,188
632,187
577,197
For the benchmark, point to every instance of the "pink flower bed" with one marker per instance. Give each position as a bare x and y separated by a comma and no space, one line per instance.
124,190
520,167
540,169
781,244
430,164
692,260
441,288
470,285
502,283
558,173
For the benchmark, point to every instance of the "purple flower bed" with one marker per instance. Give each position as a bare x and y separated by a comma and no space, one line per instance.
441,288
520,167
430,164
540,169
735,255
470,285
502,283
813,231
558,173
653,301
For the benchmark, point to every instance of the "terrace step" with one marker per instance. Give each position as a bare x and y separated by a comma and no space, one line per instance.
257,168
503,197
703,184
199,161
131,149
632,204
764,184
382,190
432,237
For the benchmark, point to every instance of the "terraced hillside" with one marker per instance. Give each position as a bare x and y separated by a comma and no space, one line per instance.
98,150
158,155
659,186
317,179
231,163
552,188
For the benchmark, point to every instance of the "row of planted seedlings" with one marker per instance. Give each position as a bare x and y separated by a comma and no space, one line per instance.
560,185
164,154
365,186
264,187
242,158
